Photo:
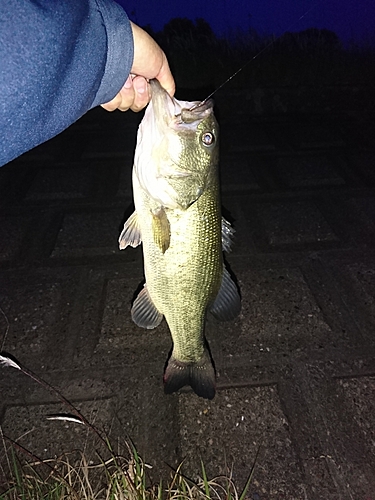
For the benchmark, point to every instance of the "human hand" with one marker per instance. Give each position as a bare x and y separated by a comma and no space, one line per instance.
149,62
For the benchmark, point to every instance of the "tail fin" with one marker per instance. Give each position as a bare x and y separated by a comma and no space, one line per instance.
200,375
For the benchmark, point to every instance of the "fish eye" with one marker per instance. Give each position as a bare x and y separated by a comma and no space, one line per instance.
208,138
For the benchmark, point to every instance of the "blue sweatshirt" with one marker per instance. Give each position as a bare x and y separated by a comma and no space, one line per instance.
58,59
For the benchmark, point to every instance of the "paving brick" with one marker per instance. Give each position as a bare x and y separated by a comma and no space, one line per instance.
120,338
365,284
279,316
308,171
106,178
89,233
330,299
37,308
12,231
278,226
357,281
243,242
124,188
363,163
120,403
50,438
359,395
351,218
237,174
295,369
209,429
246,136
354,435
342,413
302,135
94,179
149,418
353,277
293,223
110,145
364,209
43,152
60,183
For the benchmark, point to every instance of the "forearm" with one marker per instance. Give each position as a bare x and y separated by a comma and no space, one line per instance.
58,60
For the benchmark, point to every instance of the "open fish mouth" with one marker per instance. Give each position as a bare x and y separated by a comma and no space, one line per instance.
198,111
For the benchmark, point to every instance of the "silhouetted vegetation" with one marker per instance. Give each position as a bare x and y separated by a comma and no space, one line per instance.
310,57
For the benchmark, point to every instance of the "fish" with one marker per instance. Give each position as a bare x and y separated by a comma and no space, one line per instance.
178,220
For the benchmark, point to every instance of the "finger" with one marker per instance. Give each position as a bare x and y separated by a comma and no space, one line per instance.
124,99
127,94
112,105
142,93
165,77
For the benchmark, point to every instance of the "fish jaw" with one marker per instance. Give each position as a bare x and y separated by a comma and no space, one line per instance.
186,113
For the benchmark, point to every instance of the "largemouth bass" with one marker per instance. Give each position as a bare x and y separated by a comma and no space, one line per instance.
178,220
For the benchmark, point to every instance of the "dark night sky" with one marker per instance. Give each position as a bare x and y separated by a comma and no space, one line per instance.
347,18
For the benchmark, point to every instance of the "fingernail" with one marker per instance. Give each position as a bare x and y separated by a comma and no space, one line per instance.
129,83
142,89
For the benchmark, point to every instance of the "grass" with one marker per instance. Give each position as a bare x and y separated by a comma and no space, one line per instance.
114,476
119,477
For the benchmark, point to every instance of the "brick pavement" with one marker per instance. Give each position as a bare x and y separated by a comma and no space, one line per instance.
296,369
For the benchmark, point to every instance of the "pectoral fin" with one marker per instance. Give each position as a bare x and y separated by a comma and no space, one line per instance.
131,234
144,313
227,304
161,229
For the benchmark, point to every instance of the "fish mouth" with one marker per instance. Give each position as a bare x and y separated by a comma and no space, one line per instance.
198,111
177,113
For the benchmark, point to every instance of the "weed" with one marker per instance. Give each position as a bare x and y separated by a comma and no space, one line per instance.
115,476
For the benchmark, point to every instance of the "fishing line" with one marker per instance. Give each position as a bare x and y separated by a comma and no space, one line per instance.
288,28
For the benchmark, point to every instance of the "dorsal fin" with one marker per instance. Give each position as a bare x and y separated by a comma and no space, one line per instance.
227,232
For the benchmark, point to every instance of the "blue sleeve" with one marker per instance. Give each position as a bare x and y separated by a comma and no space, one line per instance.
58,59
